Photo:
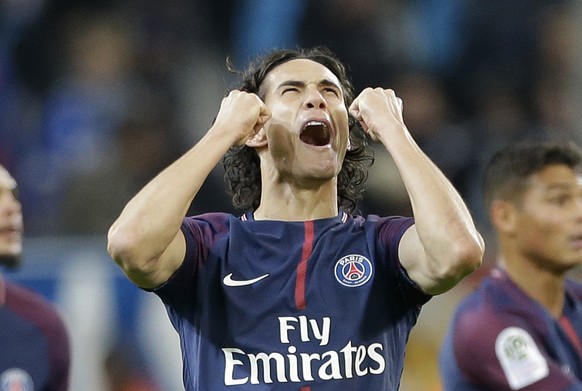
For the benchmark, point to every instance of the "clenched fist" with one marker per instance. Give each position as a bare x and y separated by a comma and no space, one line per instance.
379,111
242,114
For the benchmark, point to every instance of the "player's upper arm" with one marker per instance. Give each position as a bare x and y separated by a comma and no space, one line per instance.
413,258
433,275
152,272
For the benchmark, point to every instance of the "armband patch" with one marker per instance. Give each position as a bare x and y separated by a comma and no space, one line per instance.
520,358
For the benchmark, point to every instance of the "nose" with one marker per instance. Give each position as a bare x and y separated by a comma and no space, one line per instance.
314,99
9,204
579,209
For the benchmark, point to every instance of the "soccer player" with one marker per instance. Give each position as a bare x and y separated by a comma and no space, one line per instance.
297,293
34,344
522,328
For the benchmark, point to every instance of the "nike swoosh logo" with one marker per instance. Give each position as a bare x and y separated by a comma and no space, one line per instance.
228,281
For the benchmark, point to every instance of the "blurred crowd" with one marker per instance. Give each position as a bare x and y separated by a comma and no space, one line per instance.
97,96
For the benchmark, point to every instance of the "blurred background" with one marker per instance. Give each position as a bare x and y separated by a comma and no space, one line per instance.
98,96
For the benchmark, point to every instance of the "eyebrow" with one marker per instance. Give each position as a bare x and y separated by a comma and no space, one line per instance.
302,84
553,187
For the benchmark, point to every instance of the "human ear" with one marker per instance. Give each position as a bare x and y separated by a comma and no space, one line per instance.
257,140
503,215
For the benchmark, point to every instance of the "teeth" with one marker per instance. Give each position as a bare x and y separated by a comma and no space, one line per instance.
315,123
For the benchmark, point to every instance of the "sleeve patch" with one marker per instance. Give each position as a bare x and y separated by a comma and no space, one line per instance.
520,358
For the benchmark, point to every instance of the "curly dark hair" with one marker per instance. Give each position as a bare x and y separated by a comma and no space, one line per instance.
241,163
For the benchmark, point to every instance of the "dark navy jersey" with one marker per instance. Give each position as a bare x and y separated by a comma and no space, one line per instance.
270,305
501,339
34,345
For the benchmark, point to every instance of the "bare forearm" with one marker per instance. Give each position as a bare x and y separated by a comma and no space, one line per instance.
444,225
146,240
435,202
151,220
443,245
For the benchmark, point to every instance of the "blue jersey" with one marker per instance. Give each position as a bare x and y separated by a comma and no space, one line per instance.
270,305
34,345
501,339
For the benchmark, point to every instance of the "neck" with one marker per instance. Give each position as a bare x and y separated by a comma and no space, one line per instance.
287,202
545,286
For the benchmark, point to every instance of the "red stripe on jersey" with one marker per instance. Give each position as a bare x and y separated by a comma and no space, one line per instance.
305,389
2,291
571,333
302,267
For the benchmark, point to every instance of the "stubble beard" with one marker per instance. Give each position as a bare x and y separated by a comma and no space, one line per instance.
10,261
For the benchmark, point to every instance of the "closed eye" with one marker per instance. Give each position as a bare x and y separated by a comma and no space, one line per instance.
560,200
290,89
332,90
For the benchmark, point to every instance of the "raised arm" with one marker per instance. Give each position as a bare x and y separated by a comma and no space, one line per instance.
443,245
146,240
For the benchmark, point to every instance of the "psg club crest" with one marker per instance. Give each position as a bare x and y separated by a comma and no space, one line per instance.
15,379
353,270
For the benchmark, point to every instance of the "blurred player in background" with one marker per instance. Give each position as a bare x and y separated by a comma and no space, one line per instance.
34,344
297,292
522,328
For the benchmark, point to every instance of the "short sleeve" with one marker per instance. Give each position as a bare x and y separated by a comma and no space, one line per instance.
389,232
201,233
499,351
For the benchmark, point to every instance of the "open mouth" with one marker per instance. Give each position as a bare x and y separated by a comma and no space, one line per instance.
577,241
11,233
316,133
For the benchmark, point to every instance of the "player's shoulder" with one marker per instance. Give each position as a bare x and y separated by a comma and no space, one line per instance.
19,295
487,308
212,217
574,288
497,324
33,307
476,326
215,222
382,223
377,219
476,311
494,306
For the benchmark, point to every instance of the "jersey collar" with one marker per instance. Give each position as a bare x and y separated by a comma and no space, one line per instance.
250,216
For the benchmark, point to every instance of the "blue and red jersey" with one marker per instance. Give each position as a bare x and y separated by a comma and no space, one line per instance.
314,305
501,339
34,344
